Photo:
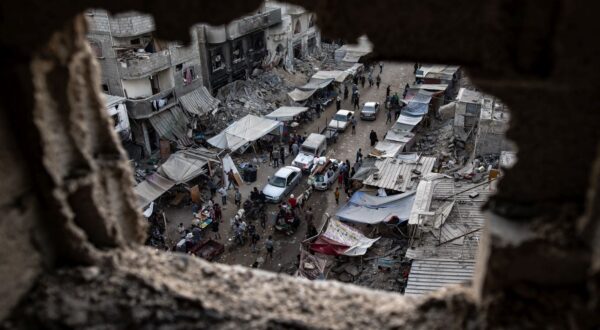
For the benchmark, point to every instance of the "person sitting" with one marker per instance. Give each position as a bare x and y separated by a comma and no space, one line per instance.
254,195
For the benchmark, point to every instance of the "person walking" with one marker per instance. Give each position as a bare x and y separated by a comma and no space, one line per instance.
370,81
355,105
215,228
388,90
359,155
269,247
345,92
353,121
397,113
362,81
416,67
231,178
373,137
223,192
238,198
340,176
282,155
295,148
378,81
338,103
337,195
380,67
254,238
388,119
276,157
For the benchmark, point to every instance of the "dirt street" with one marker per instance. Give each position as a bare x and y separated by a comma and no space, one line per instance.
286,248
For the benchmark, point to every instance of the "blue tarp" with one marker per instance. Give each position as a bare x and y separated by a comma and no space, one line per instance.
364,208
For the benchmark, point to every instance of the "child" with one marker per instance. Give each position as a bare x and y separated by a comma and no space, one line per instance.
337,196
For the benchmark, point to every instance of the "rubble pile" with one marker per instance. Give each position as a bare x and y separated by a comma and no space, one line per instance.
259,96
441,144
318,60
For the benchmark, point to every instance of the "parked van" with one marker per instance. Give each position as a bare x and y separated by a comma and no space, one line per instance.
313,146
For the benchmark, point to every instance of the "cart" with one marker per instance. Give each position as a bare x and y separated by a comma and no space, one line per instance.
208,250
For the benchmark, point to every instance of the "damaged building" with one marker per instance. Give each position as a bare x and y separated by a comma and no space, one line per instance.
296,35
231,52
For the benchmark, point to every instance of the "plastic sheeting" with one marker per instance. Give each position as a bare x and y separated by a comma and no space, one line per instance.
364,208
199,101
338,76
182,167
150,189
286,113
247,129
341,239
298,95
407,122
384,149
314,84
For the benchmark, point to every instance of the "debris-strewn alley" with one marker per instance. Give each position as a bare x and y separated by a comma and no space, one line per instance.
312,160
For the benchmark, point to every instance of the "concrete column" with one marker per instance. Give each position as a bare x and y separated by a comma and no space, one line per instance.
147,147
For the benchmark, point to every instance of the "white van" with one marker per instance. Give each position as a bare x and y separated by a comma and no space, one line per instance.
313,146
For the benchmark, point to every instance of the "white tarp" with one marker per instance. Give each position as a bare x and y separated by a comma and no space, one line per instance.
364,208
407,123
353,70
247,129
229,165
286,113
298,95
348,236
337,75
386,149
150,189
182,167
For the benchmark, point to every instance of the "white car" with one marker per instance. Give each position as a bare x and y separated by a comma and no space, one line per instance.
314,146
282,183
341,120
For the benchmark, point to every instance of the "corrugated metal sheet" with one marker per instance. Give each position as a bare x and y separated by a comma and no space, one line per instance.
199,101
171,124
429,275
398,175
465,217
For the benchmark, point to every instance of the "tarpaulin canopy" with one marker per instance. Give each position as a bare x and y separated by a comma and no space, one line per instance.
286,113
407,122
298,95
364,208
353,70
248,129
340,238
416,109
150,189
387,149
182,167
315,83
199,101
337,75
171,124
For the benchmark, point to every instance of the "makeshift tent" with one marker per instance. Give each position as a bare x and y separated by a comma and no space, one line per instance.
182,167
353,70
314,84
150,189
407,122
364,208
298,95
336,75
286,113
199,101
385,149
248,129
341,239
171,124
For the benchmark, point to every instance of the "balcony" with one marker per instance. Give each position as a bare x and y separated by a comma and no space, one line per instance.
139,65
143,108
131,25
253,23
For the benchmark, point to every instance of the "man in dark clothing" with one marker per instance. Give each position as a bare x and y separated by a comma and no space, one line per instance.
338,103
276,157
380,67
406,89
359,155
388,90
388,119
282,155
345,92
373,138
378,81
416,67
362,81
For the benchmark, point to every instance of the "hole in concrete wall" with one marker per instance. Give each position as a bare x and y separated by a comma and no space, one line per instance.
434,112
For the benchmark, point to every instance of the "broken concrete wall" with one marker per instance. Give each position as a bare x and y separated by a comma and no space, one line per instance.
68,180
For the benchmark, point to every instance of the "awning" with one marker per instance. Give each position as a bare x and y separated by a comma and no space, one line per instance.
286,113
298,95
150,189
199,101
416,109
247,129
171,124
431,87
338,76
341,239
182,167
364,208
353,70
406,122
385,149
315,83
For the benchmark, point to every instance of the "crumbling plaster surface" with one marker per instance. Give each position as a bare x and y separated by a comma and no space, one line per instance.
68,201
145,289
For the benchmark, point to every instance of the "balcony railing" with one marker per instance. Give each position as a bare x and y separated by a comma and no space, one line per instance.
144,108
